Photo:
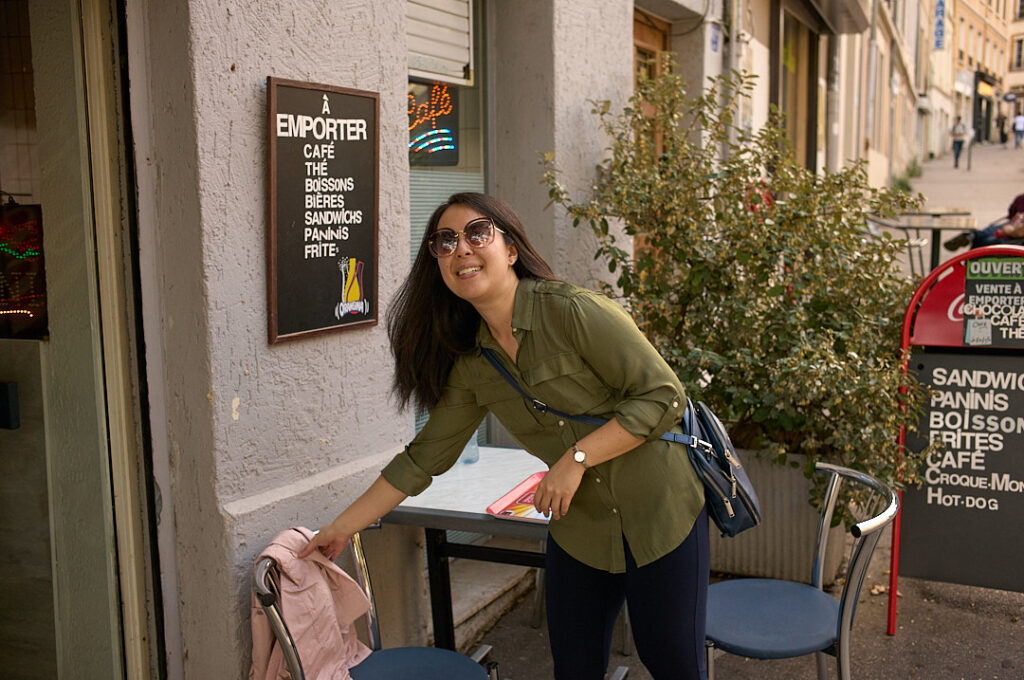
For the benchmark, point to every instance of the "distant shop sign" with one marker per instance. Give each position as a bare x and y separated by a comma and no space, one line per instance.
322,210
940,24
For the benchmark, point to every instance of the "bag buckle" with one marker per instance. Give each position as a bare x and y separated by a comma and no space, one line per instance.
704,446
539,405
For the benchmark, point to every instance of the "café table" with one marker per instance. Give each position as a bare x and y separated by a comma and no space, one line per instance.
457,500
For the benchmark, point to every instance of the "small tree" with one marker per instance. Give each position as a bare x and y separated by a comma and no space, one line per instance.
756,278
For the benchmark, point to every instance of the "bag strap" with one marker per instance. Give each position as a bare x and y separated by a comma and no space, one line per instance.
688,417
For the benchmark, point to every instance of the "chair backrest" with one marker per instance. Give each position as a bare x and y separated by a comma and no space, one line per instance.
265,580
265,585
882,506
362,577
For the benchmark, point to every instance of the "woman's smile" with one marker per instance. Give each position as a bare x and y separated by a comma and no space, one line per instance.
477,274
468,270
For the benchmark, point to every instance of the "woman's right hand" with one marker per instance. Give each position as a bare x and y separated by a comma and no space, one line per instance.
330,541
377,501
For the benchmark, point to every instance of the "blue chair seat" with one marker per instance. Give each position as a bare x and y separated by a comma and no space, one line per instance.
418,663
770,619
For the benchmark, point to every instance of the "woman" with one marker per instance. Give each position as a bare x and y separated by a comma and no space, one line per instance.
627,510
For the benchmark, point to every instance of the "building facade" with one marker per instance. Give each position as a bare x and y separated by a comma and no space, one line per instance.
1015,65
164,437
169,424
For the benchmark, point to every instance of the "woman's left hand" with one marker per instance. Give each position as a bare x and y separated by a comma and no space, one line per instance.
555,491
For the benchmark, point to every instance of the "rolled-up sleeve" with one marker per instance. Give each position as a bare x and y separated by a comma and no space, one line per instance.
437,446
650,399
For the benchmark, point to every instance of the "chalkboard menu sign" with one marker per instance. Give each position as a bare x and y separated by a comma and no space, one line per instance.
323,205
22,274
963,524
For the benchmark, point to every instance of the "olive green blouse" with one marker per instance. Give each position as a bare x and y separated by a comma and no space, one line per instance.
580,353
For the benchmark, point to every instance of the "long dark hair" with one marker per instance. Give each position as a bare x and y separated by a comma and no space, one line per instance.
429,326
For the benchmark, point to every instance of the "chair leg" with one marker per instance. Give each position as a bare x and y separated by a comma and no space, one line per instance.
821,658
709,658
480,654
628,646
538,594
619,673
492,670
843,658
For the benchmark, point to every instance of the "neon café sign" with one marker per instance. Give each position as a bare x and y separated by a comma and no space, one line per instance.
431,108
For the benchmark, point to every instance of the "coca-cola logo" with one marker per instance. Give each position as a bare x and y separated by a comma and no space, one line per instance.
955,313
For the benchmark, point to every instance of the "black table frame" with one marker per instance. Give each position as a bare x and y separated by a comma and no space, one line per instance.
436,524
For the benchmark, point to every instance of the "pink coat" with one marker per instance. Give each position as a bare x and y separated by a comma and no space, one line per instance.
319,603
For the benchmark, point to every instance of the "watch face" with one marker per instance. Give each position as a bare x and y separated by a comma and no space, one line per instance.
580,457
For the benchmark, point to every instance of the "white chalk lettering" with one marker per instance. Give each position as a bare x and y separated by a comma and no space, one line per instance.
331,129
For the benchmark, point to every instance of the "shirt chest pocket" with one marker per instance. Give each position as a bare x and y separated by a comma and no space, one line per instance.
509,407
566,383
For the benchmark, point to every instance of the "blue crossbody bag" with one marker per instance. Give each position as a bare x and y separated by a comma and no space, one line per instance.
731,500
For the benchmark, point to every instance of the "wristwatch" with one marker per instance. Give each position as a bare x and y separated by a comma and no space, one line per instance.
579,456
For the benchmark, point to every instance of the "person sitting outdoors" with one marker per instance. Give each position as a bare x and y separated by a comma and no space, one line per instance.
1005,230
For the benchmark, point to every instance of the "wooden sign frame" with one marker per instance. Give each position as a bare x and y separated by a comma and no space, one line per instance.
323,187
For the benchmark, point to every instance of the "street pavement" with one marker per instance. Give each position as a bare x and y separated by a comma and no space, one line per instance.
986,182
944,631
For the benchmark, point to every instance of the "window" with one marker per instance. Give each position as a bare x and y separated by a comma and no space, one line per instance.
446,139
650,41
795,86
440,39
962,38
1017,61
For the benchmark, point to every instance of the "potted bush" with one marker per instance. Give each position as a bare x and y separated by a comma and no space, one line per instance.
755,277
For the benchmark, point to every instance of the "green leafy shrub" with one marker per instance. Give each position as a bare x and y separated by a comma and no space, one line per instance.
755,277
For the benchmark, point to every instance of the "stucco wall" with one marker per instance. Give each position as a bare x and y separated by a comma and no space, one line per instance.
260,437
550,59
593,61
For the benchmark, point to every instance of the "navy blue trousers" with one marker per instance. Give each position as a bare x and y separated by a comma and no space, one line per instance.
667,602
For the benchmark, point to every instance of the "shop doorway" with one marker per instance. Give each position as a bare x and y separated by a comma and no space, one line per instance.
77,586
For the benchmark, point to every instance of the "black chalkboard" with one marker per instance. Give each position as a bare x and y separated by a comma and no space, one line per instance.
963,525
323,208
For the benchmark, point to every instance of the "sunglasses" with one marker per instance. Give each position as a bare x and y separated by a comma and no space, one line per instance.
478,233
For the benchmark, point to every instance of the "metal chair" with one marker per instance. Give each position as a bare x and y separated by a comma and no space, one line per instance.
776,619
422,663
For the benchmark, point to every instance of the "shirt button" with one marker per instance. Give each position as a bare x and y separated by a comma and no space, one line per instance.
675,404
615,511
561,423
598,480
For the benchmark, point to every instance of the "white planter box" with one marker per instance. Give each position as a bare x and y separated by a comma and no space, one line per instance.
782,546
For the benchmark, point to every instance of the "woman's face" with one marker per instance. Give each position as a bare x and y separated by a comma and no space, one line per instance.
476,274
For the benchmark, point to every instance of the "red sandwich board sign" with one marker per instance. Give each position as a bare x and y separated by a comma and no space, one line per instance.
965,323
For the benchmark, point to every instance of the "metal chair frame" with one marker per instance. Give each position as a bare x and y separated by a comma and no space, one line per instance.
267,589
866,535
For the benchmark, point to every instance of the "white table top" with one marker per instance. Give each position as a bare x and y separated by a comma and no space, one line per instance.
471,487
458,499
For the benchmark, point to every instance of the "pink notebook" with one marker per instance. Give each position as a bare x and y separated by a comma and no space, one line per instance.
518,503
